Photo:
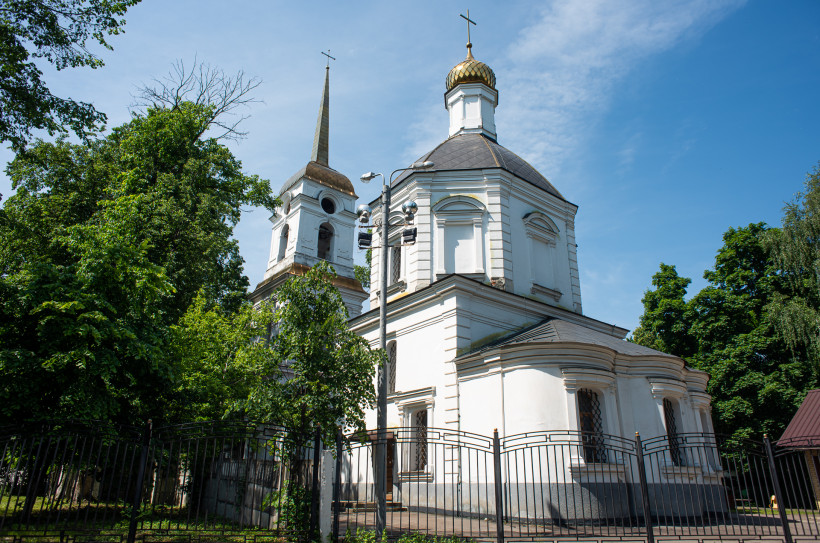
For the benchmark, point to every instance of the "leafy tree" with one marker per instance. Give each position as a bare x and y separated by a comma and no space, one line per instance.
664,325
57,31
796,250
756,382
326,370
362,273
726,329
220,358
292,362
104,246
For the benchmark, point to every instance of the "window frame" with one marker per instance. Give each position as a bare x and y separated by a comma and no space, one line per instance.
593,440
459,211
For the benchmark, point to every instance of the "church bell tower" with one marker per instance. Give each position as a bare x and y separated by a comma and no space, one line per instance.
316,221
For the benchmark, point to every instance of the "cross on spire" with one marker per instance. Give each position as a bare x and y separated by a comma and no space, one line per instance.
469,22
329,58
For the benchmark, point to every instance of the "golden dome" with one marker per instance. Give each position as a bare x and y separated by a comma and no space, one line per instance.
470,71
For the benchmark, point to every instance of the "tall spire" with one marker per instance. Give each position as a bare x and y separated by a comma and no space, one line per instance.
322,137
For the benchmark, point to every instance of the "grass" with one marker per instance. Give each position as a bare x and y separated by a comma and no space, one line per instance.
106,522
754,510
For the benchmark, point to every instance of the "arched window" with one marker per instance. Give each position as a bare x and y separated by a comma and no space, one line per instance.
325,246
283,243
671,420
391,367
591,425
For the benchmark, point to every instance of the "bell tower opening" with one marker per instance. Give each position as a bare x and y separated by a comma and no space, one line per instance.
325,245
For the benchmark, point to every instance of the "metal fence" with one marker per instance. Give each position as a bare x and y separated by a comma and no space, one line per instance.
221,481
86,482
560,485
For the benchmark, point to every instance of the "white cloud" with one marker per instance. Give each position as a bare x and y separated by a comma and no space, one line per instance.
561,69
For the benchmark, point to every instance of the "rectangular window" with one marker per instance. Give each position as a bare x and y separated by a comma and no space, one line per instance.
672,432
395,263
592,426
391,367
419,457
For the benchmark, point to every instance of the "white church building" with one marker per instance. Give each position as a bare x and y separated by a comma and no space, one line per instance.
485,323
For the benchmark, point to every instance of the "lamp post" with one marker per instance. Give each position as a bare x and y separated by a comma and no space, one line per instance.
381,392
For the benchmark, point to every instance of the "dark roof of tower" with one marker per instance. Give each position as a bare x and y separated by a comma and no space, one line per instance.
478,152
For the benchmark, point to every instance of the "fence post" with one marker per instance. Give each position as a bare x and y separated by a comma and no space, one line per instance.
314,491
499,496
146,442
781,505
337,484
647,509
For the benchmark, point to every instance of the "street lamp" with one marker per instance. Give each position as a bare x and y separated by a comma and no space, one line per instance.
409,209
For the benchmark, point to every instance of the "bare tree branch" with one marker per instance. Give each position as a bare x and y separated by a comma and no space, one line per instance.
203,85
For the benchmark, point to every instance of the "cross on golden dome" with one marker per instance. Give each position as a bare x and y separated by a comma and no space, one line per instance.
469,22
470,70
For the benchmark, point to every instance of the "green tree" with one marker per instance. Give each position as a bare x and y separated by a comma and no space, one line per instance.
292,361
57,31
756,382
221,356
327,371
664,325
727,330
103,247
362,273
796,250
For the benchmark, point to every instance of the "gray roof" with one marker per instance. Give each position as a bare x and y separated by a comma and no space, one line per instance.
554,330
476,152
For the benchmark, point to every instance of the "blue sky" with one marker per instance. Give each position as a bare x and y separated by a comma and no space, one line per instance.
666,122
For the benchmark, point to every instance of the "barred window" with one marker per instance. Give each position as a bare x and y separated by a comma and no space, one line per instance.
391,367
395,263
672,432
592,426
419,458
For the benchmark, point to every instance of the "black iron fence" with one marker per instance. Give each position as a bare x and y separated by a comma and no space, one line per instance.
569,485
253,482
85,482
